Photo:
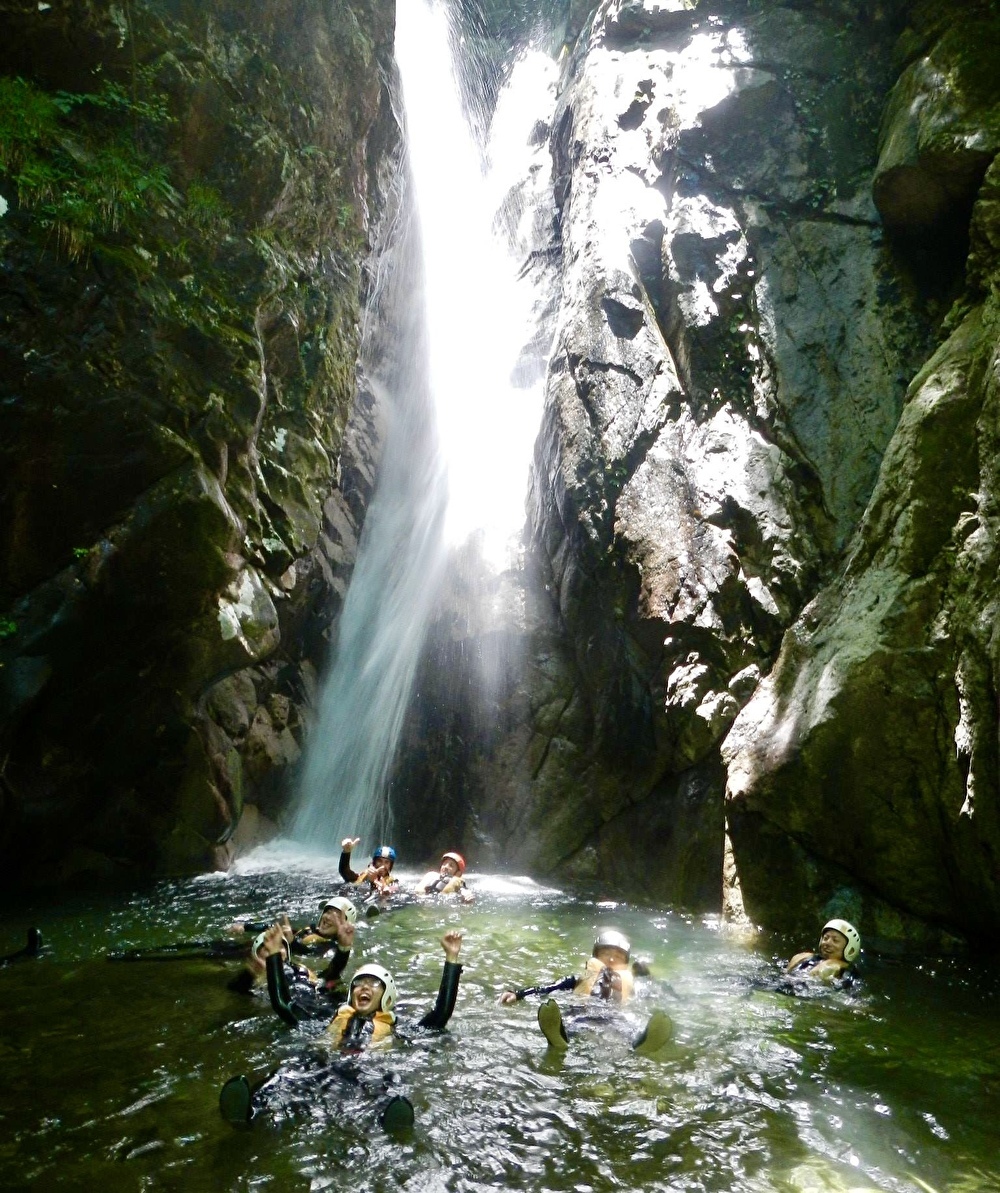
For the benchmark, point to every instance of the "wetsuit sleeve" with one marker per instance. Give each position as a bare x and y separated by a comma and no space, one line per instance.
565,984
277,989
447,992
256,926
346,873
337,965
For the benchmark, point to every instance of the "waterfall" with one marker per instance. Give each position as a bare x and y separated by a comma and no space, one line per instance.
460,385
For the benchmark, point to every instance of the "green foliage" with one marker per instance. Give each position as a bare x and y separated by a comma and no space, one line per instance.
8,628
82,180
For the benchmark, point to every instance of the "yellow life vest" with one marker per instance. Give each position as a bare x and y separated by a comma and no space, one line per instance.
382,1025
592,975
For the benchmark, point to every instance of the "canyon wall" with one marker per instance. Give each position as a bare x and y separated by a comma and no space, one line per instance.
189,194
756,584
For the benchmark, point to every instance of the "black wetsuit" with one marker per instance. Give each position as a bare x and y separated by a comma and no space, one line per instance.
348,1085
293,1011
299,946
796,981
329,991
603,987
349,876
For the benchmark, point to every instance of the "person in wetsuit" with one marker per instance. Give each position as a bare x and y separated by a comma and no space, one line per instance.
448,880
335,931
839,946
366,1021
377,876
609,975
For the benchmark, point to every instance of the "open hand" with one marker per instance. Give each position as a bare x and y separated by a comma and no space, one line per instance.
451,942
508,997
274,940
284,924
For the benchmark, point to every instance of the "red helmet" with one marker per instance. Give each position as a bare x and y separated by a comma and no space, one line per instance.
457,859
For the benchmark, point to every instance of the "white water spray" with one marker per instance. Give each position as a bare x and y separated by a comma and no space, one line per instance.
461,430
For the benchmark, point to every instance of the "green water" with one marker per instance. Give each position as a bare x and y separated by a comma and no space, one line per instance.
111,1072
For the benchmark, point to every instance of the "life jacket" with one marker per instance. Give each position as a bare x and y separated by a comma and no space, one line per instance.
349,1028
377,881
310,936
591,984
434,883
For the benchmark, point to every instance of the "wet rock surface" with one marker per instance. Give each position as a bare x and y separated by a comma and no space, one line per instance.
744,303
186,452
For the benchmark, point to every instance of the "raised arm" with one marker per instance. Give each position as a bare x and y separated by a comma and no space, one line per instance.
566,983
346,847
438,1017
277,984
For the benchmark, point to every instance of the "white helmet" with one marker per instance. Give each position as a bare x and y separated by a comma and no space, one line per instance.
612,939
341,904
384,976
259,940
853,946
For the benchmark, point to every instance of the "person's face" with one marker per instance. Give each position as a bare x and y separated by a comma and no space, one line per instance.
832,944
331,921
366,994
449,867
382,866
612,956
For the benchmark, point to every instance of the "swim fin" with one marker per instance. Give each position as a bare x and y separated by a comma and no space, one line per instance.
236,1101
31,949
397,1115
550,1021
657,1032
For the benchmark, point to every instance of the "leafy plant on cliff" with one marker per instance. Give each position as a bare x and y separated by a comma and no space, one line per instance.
82,178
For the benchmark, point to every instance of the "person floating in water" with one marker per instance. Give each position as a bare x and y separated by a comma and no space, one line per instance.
839,946
609,975
335,931
448,880
334,928
366,1021
378,875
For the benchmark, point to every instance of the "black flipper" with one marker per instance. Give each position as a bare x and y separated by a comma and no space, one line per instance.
236,1101
32,949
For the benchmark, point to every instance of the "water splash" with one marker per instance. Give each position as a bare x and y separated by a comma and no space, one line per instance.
460,383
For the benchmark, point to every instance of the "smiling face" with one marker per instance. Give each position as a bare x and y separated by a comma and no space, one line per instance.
331,921
382,866
832,944
366,994
611,956
449,867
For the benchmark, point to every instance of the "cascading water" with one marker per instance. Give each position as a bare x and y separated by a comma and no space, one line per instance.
462,402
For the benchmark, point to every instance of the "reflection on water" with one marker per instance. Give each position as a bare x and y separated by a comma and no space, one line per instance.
111,1071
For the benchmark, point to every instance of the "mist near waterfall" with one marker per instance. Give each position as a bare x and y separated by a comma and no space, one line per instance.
453,356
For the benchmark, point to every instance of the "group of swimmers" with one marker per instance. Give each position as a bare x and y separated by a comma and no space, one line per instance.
362,1014
303,972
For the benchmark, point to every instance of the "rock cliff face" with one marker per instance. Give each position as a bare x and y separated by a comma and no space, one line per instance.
188,191
755,420
737,328
864,770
